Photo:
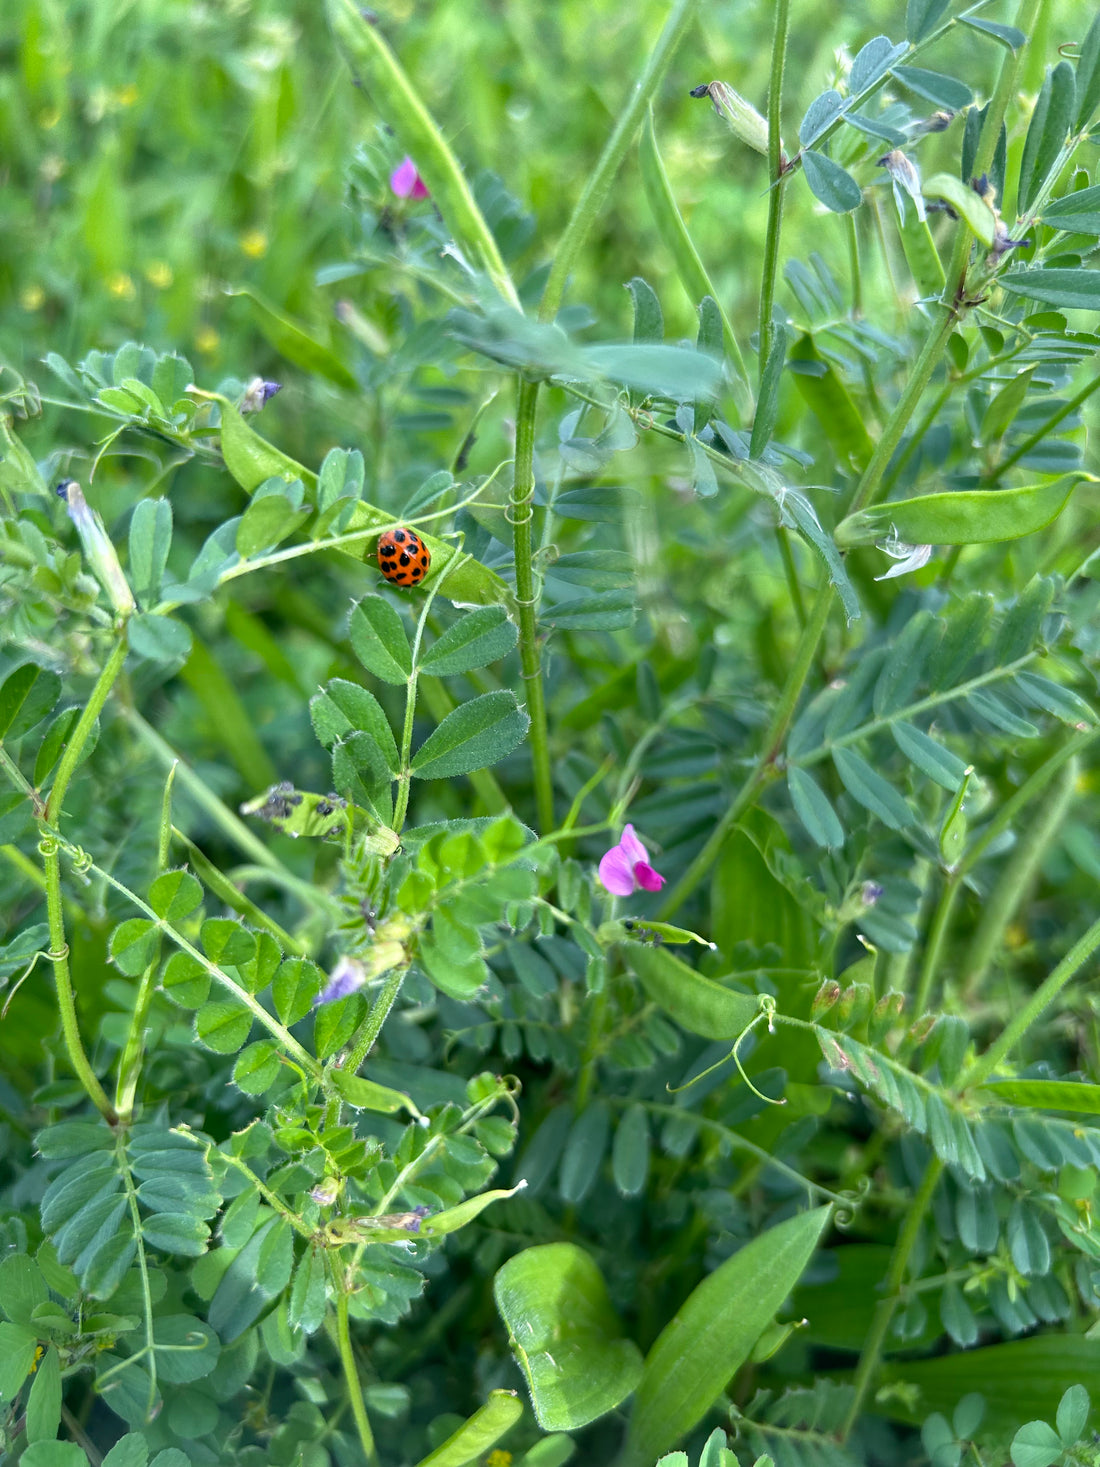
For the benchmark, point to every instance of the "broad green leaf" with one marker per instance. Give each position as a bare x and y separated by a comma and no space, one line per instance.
294,987
223,1025
1063,703
604,611
22,1288
1047,132
475,735
257,1067
698,1004
929,756
150,541
378,639
812,807
133,945
479,638
344,707
965,202
711,1336
187,1348
630,1151
1077,213
1036,1445
833,185
1073,1414
872,61
226,942
477,1435
604,502
649,323
584,1151
1073,290
132,1450
565,1335
1027,1240
868,787
602,570
820,114
267,522
306,1305
54,1454
28,694
174,895
1004,405
158,638
967,517
1088,76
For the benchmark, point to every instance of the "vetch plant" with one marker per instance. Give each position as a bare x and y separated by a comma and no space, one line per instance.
347,1116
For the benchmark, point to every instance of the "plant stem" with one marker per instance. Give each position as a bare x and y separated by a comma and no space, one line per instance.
1068,407
775,177
92,709
895,1280
591,201
1015,881
351,1374
941,921
371,1026
1041,999
527,599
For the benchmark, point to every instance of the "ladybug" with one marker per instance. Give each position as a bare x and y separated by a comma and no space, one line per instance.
403,558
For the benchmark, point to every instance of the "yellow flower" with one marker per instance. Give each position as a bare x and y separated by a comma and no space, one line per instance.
126,96
38,1353
32,297
498,1458
159,274
207,340
254,244
121,286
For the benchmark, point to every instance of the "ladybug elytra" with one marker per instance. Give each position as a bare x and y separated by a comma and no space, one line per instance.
403,558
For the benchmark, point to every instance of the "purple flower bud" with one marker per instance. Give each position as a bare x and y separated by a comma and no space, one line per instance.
406,182
346,978
257,393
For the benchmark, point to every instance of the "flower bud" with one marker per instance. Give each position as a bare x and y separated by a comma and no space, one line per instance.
257,393
97,546
325,1193
742,116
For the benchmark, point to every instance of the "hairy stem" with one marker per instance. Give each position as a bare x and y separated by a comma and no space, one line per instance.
371,1026
351,1374
527,599
895,1280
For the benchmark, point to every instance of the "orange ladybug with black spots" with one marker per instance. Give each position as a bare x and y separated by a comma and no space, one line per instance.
403,558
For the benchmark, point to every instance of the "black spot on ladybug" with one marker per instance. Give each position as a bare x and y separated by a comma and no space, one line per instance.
387,550
399,536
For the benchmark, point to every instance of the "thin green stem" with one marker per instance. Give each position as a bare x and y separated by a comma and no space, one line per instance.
351,1374
776,174
892,1289
1045,428
363,1041
1015,881
588,207
933,948
527,599
1040,1000
74,749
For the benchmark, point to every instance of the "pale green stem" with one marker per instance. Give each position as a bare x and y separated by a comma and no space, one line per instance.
775,179
527,598
371,1026
892,1289
933,948
351,1373
75,747
1040,1000
1000,906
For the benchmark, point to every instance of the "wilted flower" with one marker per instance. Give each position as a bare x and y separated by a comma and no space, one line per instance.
625,867
906,179
742,116
325,1193
909,557
257,393
97,546
406,181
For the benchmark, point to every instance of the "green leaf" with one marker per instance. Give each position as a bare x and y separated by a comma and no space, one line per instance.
267,521
132,1450
453,1218
159,638
477,639
17,1347
674,372
378,639
477,1435
1004,405
185,981
965,202
827,397
1073,1415
602,570
150,541
966,517
712,1334
477,734
257,1067
649,323
929,756
294,341
812,807
1027,1240
133,945
22,1288
44,1400
767,406
921,17
698,1004
364,1094
872,61
1047,132
223,1025
820,114
831,184
1065,1095
1077,290
565,1335
226,942
1088,77
584,1151
28,694
344,707
306,1305
54,1454
868,787
294,987
187,1348
630,1151
1077,213
1009,36
174,895
605,611
1036,1445
941,91
602,502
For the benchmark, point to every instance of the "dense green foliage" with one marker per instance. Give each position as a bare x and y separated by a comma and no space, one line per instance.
348,1116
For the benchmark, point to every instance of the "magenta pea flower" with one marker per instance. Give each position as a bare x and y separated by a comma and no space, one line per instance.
406,182
626,867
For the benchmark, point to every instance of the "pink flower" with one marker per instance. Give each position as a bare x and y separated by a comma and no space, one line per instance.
624,868
406,182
